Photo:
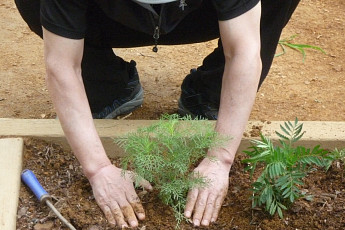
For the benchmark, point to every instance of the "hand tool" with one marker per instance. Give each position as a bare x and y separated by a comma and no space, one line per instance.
29,178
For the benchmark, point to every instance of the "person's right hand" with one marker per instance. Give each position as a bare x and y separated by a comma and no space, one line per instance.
114,193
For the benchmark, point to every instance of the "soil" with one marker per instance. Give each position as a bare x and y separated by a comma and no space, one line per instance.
311,90
60,173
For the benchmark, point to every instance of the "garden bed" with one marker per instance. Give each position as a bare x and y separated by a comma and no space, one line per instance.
60,173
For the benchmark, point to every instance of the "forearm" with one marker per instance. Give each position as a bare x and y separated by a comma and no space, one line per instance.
70,101
63,66
239,87
241,42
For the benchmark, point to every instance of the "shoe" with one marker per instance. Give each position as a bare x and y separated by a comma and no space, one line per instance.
126,104
194,102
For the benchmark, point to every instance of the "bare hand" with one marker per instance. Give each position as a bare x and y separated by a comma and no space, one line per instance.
115,195
203,204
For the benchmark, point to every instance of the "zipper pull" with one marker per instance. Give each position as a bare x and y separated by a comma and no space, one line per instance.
182,4
156,37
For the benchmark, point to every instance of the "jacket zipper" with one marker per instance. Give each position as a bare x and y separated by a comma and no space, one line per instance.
156,21
182,4
156,37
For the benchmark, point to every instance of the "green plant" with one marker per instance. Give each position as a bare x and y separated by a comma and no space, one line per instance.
335,155
165,154
299,47
285,166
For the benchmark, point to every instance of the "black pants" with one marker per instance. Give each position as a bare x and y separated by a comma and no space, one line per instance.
101,67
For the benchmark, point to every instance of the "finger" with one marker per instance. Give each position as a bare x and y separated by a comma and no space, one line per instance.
217,206
108,214
211,200
134,201
191,199
145,184
119,218
139,210
199,208
129,215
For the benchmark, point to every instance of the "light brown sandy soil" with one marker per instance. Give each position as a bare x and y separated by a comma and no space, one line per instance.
309,90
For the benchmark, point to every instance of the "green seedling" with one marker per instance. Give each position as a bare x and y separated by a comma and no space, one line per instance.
299,47
336,155
166,153
284,167
339,154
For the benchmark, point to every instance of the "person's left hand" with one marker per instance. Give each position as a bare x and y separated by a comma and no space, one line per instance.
203,204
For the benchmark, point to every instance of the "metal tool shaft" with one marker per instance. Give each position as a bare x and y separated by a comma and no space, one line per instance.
58,214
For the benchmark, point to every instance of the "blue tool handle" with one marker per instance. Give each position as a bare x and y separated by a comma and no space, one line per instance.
29,178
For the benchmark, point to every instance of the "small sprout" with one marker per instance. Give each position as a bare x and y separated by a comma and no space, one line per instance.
335,155
299,47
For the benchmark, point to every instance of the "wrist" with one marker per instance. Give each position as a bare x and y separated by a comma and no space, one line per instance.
223,155
93,168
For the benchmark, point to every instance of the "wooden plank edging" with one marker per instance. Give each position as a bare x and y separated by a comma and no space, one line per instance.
11,152
328,134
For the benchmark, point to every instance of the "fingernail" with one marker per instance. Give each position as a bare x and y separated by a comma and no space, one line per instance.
196,222
187,214
205,222
133,223
213,220
141,216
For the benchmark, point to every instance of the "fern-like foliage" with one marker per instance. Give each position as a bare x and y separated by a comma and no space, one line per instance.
165,154
285,166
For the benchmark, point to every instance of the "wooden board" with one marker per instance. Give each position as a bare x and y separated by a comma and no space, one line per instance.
327,134
11,152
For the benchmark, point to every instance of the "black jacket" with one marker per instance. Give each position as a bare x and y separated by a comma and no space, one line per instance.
144,18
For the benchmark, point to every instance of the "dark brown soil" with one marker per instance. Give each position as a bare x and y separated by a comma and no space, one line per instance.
61,175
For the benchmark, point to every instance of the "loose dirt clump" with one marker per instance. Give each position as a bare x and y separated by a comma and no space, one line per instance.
255,131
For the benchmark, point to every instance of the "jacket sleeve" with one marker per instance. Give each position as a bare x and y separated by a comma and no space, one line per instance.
228,9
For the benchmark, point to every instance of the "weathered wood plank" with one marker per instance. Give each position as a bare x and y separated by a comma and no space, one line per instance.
11,152
327,134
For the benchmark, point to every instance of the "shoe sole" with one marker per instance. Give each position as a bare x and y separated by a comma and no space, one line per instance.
128,106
